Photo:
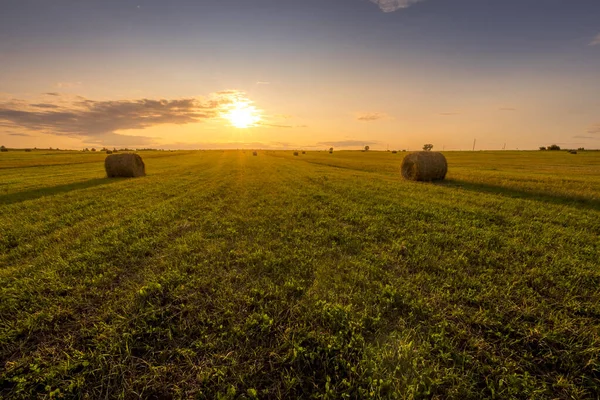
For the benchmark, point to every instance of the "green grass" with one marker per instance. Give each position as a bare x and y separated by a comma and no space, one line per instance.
223,275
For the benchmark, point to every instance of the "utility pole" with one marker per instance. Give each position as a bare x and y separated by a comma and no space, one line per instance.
474,141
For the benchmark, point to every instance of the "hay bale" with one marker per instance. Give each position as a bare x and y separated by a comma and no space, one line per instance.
109,152
127,165
254,153
573,151
303,152
295,153
424,166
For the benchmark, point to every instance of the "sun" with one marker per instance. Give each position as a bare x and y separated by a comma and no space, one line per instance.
242,115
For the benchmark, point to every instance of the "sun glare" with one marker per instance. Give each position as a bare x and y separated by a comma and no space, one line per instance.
242,115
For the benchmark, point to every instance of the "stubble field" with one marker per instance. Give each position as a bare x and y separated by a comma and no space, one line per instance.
224,275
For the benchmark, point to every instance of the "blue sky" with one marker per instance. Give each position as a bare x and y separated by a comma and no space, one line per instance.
525,72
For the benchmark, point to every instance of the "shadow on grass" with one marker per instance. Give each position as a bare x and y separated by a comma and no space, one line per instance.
51,191
546,197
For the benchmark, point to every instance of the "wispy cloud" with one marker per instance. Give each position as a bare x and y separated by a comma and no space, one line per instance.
348,143
20,134
594,129
52,94
394,5
99,121
595,41
67,85
584,137
371,116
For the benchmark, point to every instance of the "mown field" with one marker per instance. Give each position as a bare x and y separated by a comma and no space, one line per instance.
223,275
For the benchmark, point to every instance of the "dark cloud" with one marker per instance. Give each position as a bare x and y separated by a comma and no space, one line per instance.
348,143
99,120
45,105
371,116
52,94
20,134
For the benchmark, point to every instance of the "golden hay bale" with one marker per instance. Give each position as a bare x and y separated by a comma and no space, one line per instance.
424,166
127,165
295,153
254,153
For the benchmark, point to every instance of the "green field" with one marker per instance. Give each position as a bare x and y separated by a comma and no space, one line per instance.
223,275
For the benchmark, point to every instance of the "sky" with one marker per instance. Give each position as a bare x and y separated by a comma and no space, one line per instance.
310,74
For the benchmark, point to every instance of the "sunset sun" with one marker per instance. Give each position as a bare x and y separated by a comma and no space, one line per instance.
242,115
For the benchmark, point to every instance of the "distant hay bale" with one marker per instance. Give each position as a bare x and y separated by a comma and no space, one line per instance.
573,151
254,153
127,165
303,152
295,153
424,166
109,152
394,152
27,150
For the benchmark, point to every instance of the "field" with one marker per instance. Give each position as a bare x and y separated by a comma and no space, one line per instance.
223,275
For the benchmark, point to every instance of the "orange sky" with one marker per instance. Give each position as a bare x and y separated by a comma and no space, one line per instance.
309,75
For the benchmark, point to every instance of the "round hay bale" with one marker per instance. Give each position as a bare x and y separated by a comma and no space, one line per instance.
127,165
254,153
424,166
295,153
109,152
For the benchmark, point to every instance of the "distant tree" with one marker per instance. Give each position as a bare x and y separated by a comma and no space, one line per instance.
581,149
427,147
554,147
542,148
367,148
330,150
3,149
93,149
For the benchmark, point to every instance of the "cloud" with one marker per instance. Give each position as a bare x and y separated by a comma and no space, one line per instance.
99,121
594,129
45,105
371,116
393,5
52,94
281,125
348,143
68,85
20,134
584,137
595,41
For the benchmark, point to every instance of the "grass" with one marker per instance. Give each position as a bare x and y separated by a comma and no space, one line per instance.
223,275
